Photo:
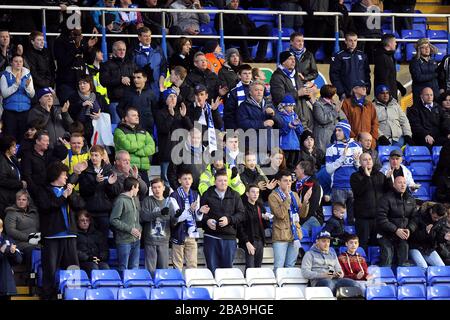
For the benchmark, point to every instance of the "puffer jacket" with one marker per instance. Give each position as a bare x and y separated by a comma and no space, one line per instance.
441,245
315,263
90,244
392,121
138,142
20,223
289,137
145,101
16,97
111,73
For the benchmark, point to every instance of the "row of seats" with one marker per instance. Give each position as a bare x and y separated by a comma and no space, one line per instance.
408,292
412,154
433,275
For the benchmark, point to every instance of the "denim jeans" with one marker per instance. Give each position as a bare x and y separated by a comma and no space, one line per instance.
335,284
311,223
164,168
128,255
344,196
284,254
115,119
423,260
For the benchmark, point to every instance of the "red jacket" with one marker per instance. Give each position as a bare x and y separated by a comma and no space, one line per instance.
352,264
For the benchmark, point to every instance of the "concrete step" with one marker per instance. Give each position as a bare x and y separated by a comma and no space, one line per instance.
25,298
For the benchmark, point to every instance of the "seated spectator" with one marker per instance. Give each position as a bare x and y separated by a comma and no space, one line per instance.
214,55
305,63
368,187
395,168
129,136
441,237
16,87
360,112
22,225
125,223
11,180
287,209
365,140
229,74
422,250
177,76
441,175
321,265
394,128
396,221
352,263
153,20
92,248
443,71
112,18
310,192
251,231
9,256
445,115
291,21
56,119
326,115
189,22
157,215
7,50
309,151
94,184
233,156
335,225
241,24
57,204
183,54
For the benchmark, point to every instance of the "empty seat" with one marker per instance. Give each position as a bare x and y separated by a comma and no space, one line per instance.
442,51
350,229
436,151
199,277
72,279
381,293
229,293
260,276
411,34
105,278
438,275
260,293
437,34
416,153
289,293
207,30
349,293
384,151
314,232
374,255
137,278
438,292
196,294
169,278
305,237
410,51
424,192
382,274
421,171
100,294
167,293
407,275
75,294
327,212
411,292
229,276
134,293
319,293
290,276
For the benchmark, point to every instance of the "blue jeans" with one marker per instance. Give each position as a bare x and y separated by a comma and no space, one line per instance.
335,284
400,143
219,253
128,255
310,224
115,119
423,260
344,196
284,255
164,168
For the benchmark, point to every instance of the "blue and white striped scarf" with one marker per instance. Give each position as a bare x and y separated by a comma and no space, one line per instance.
240,93
190,223
290,74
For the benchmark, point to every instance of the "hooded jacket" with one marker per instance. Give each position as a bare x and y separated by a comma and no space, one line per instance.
16,97
124,217
315,263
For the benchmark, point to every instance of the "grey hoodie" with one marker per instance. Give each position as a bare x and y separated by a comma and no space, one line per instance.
124,217
156,226
315,263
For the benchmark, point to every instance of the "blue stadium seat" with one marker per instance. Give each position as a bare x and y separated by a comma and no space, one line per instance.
410,51
424,192
438,275
72,278
260,19
212,16
286,32
411,34
105,278
100,294
269,52
382,274
196,294
167,293
133,294
169,278
374,255
306,246
327,212
438,292
417,153
409,275
350,229
113,127
137,278
411,292
442,51
314,232
384,151
437,34
436,151
360,251
421,171
75,294
112,261
320,54
207,30
306,238
381,293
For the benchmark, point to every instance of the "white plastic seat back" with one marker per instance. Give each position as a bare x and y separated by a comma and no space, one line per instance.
289,293
229,293
260,293
260,276
290,276
229,277
319,293
199,277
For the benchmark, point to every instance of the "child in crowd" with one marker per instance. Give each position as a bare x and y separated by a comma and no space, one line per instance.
352,263
309,152
335,225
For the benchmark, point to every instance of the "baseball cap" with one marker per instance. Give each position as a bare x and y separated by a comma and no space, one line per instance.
396,153
200,88
324,235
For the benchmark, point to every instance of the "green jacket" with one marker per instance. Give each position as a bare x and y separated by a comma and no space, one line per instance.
138,142
207,180
124,217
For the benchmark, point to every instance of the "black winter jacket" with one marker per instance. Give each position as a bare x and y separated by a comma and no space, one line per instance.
228,75
315,209
335,227
425,122
385,71
145,102
42,67
207,78
194,113
91,244
251,229
420,239
111,73
424,74
317,157
9,182
307,66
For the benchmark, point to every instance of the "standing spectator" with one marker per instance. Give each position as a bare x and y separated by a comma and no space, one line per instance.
316,26
233,156
309,151
326,115
441,238
368,187
189,22
157,215
251,173
177,76
11,180
395,168
321,265
335,225
183,54
231,69
93,61
346,23
16,86
115,75
139,143
305,63
349,66
425,119
394,128
441,175
57,204
445,114
385,72
241,24
125,222
443,71
40,61
360,112
365,140
153,20
226,212
342,160
7,50
402,6
151,58
251,231
214,55
396,221
294,22
76,153
287,209
92,247
130,21
423,69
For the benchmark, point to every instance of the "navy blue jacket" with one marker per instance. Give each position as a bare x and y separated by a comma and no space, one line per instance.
7,282
231,106
157,63
424,74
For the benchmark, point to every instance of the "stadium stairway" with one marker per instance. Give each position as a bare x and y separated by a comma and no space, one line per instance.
433,6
